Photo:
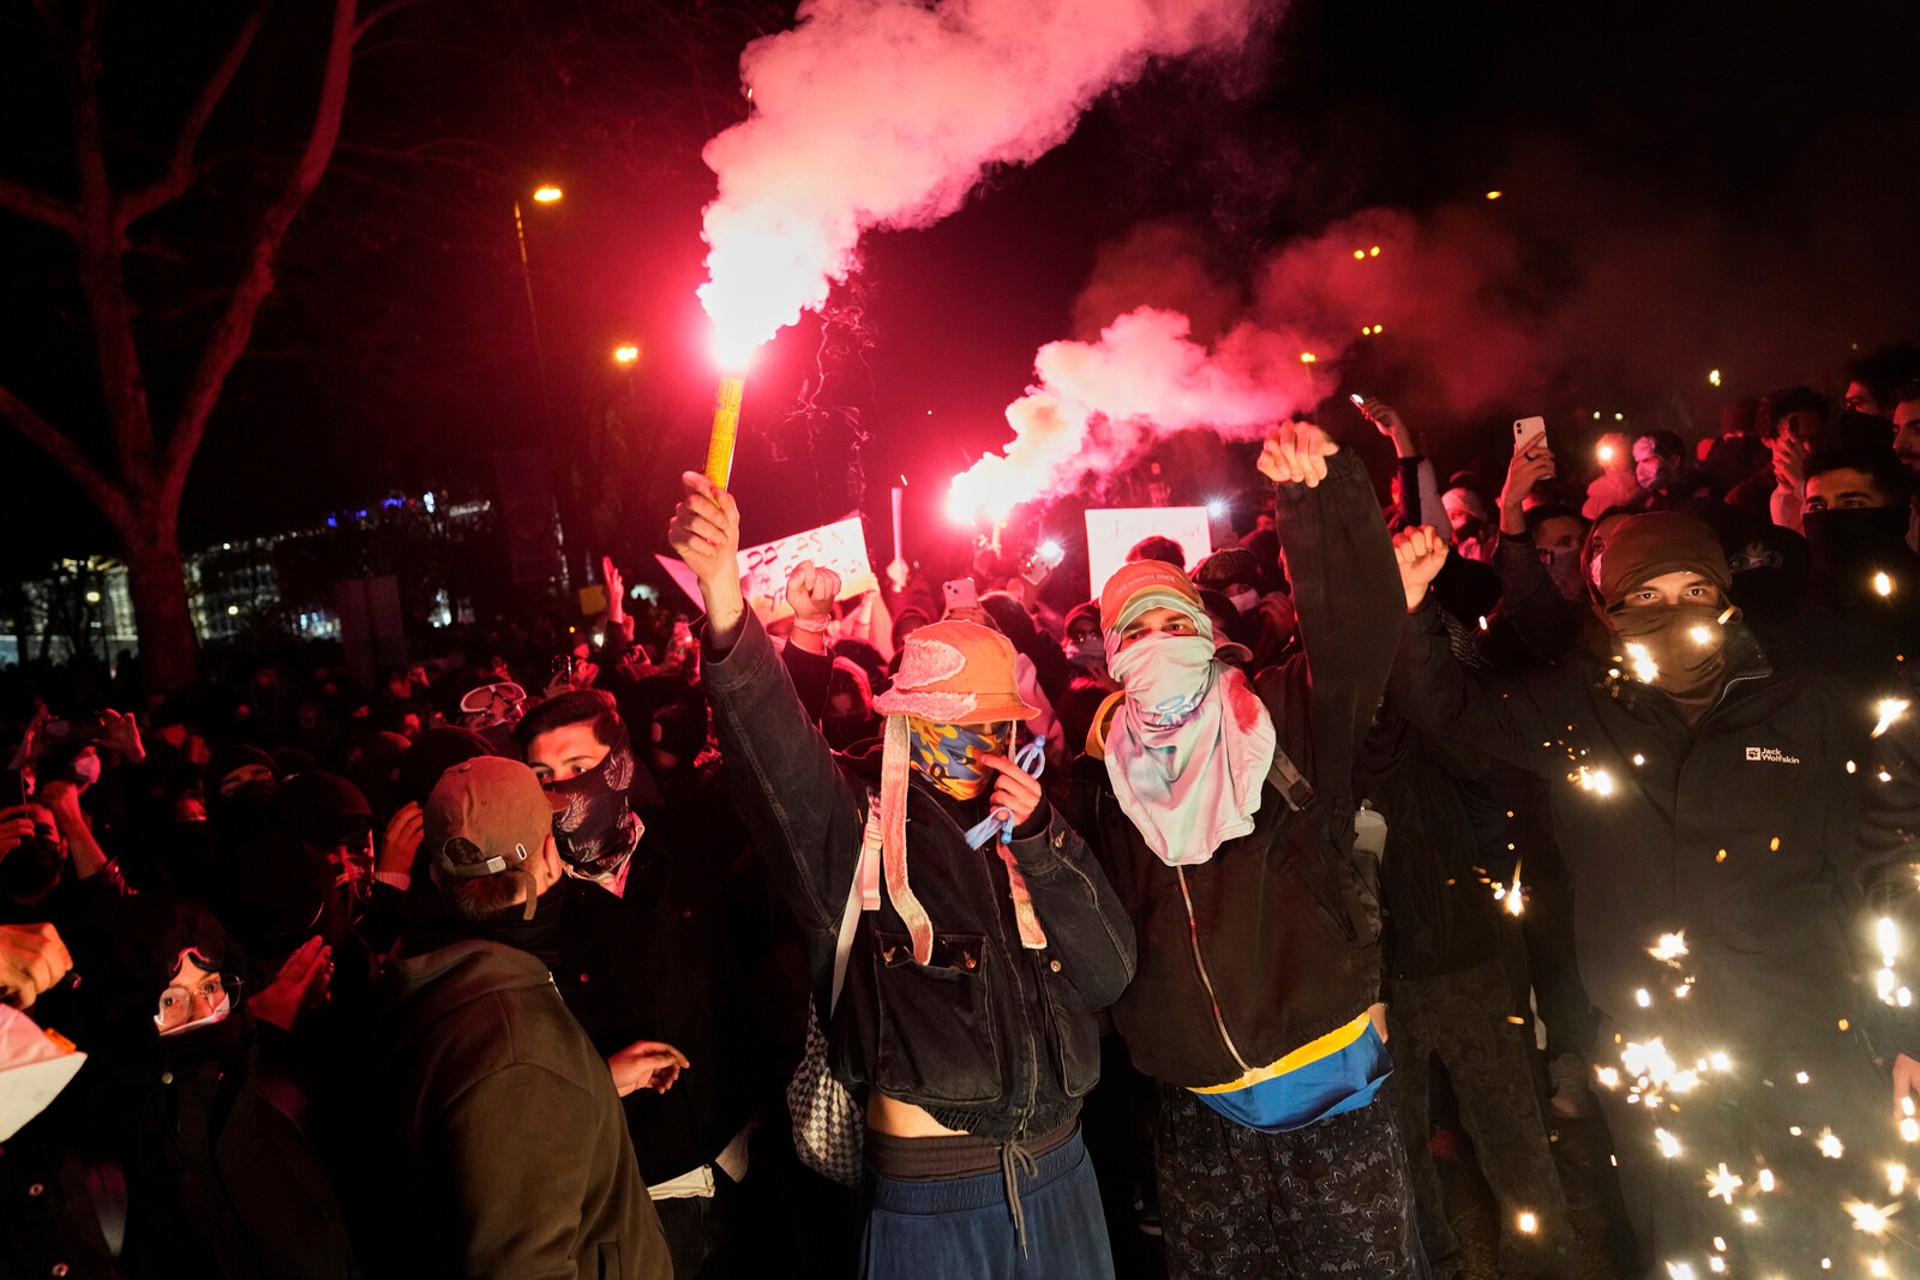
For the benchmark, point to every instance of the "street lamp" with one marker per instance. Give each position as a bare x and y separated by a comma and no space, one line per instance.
626,353
545,194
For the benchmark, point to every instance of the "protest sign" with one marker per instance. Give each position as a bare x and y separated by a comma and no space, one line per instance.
1112,532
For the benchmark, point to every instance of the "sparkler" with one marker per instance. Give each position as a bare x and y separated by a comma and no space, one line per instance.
1889,710
1870,1218
1645,670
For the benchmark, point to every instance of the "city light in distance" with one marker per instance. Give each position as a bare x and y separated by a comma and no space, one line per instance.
626,353
1495,195
1714,377
547,194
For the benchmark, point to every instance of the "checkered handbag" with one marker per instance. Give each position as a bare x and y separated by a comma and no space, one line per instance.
828,1130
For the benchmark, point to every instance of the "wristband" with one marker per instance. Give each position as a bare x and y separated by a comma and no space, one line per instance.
817,628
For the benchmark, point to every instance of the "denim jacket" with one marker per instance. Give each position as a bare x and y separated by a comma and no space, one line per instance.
989,1037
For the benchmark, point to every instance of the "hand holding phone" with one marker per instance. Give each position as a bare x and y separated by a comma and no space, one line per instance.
1529,434
961,595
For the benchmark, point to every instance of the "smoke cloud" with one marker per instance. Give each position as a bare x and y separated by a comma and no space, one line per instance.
1098,404
886,113
1569,290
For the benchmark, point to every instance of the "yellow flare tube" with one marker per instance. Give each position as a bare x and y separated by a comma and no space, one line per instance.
726,425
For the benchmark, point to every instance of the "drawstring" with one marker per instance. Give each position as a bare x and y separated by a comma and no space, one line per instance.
999,822
1013,1158
1031,758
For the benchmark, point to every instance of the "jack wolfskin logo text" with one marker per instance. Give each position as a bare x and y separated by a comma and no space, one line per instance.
1771,755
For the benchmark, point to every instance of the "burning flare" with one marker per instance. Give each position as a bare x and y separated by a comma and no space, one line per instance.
887,113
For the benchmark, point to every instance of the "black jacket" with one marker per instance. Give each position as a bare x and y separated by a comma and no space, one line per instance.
1440,914
664,962
990,1038
1271,943
1755,833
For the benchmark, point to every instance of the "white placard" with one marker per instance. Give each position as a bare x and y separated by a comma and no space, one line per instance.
1113,531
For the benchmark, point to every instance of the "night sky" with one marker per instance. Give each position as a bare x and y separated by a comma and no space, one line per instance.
1685,186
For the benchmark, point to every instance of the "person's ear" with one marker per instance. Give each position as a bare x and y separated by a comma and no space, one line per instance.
546,864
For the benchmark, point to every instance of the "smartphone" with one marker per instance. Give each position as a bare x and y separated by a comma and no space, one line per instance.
563,667
1526,431
76,731
961,594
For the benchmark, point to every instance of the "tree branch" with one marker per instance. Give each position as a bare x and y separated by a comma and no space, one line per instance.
181,170
101,271
40,207
235,326
50,441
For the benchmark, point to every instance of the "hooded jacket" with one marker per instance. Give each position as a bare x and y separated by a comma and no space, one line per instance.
1273,942
990,1038
513,1153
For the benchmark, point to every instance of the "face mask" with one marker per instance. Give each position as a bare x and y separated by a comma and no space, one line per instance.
86,770
948,755
1679,649
1244,601
1563,566
1090,646
597,832
1849,546
1165,676
1653,474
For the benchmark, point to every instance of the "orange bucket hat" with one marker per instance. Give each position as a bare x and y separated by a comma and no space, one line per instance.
956,673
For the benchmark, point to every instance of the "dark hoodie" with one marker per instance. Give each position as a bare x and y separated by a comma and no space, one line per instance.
513,1152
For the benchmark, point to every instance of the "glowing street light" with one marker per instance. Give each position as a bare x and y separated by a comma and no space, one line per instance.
1495,195
626,353
1714,377
547,193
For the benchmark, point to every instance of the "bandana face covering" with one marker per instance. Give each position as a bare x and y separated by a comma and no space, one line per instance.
947,755
1165,676
598,831
1189,748
1679,649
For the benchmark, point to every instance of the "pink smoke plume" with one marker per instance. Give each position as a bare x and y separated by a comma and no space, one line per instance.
1097,404
886,113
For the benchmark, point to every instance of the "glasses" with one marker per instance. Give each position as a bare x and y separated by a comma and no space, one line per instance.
178,1004
505,693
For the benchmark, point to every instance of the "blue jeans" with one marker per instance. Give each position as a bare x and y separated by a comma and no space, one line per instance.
962,1229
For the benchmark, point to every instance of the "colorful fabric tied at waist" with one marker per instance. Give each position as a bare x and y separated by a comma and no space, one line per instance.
1338,1073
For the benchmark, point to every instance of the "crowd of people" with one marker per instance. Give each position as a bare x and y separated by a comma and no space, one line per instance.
1564,834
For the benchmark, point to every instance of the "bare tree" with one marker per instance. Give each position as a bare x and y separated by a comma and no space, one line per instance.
138,487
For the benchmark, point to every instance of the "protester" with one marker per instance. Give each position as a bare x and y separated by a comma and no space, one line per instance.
506,1124
1703,804
965,1028
1256,1001
652,953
